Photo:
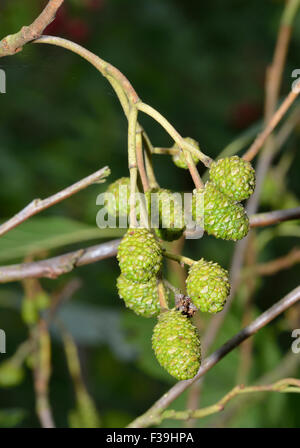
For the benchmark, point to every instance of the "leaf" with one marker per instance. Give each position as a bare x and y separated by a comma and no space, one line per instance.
91,325
39,234
9,418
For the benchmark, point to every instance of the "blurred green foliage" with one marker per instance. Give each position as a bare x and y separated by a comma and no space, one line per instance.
202,64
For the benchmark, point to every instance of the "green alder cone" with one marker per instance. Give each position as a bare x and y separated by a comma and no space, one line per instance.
119,207
10,374
208,286
179,159
234,177
223,217
142,298
139,255
176,345
169,208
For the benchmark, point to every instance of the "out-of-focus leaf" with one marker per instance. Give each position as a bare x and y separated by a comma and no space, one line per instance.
39,234
90,325
9,418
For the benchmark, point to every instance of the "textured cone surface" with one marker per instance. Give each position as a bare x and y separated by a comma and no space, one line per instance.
179,159
165,209
223,217
142,298
10,374
176,345
139,255
234,177
119,206
208,286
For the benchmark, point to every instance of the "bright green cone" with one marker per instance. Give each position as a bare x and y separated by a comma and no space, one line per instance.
142,298
208,286
223,217
139,255
179,159
119,206
234,177
168,207
176,345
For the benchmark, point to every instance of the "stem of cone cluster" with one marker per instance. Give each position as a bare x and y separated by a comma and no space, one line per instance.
127,97
132,162
193,170
121,94
162,295
122,87
173,133
106,69
179,258
166,151
140,161
276,118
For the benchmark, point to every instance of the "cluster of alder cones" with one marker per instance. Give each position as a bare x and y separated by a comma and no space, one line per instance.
175,340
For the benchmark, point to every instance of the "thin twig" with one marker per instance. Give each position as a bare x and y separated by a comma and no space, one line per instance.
176,270
62,264
149,418
132,162
179,258
274,266
162,295
273,83
246,349
148,161
275,217
14,43
183,144
105,68
285,385
60,297
277,117
42,372
38,205
140,161
286,367
166,151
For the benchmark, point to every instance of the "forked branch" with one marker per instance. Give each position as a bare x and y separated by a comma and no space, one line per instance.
14,43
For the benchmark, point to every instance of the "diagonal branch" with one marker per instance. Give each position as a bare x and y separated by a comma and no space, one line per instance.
37,205
62,264
14,43
276,118
150,417
274,217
